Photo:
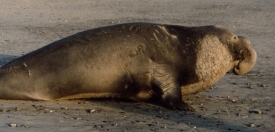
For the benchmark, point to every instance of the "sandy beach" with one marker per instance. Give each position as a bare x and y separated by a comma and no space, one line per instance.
234,104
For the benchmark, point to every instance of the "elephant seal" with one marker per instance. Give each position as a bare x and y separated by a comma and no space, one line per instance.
137,61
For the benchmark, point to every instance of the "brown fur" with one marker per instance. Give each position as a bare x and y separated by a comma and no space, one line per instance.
138,61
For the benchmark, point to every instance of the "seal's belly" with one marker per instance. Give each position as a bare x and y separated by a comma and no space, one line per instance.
92,95
117,91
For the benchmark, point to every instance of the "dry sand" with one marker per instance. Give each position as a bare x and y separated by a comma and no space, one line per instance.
236,103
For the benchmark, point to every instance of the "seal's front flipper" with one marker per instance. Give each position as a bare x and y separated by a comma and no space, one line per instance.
177,104
166,84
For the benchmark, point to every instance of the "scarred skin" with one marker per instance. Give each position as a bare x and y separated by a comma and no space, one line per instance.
137,61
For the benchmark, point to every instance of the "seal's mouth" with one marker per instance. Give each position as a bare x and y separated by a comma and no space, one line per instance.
236,70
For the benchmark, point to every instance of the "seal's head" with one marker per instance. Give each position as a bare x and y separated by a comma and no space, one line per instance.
245,57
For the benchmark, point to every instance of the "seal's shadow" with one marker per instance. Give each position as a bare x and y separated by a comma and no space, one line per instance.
6,58
193,120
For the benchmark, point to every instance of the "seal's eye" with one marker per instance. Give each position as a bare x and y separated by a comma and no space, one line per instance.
235,37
